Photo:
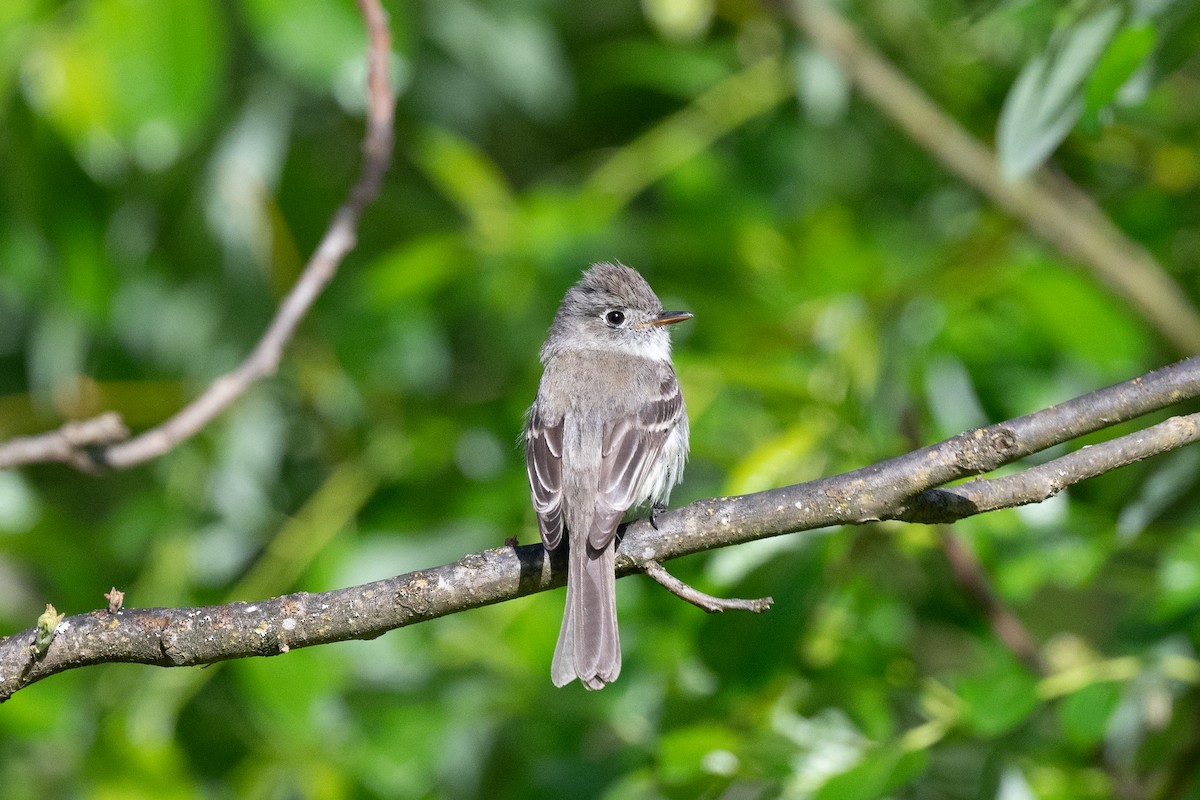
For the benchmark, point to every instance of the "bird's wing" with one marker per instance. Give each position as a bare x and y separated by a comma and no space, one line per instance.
543,460
632,443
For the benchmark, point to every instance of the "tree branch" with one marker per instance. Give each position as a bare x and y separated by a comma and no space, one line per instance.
699,599
63,445
72,443
1046,480
882,490
1049,204
976,584
887,490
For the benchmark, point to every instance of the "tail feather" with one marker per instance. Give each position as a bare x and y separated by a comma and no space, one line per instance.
589,647
562,668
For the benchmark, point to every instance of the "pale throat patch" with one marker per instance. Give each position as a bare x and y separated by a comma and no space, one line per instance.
656,347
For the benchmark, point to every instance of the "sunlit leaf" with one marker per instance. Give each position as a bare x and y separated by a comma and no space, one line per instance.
1048,96
1126,54
688,752
1014,786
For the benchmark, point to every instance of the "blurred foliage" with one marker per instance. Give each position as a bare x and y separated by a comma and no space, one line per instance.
169,163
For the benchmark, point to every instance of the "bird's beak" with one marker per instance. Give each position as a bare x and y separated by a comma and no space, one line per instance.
670,318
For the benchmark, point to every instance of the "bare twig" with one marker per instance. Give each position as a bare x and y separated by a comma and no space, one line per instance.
1046,480
340,237
712,605
178,637
1007,627
70,444
1051,205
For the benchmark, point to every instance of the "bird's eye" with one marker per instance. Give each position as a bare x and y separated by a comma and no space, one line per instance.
615,318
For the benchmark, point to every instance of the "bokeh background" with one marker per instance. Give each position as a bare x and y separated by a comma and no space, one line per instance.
167,165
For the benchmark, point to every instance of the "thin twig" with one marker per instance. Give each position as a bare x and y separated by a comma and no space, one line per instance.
1008,628
339,239
70,444
1049,204
1046,480
712,605
190,636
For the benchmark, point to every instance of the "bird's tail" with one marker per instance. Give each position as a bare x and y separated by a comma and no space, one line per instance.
588,645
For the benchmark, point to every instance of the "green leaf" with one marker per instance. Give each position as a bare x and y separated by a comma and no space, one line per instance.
1179,576
284,29
1100,329
879,772
687,753
1126,54
1047,97
126,80
1013,786
1000,698
469,179
1084,715
413,270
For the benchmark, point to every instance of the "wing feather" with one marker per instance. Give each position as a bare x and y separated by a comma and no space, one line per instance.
543,461
631,445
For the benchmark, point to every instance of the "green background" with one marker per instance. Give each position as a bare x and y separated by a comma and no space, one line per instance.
167,165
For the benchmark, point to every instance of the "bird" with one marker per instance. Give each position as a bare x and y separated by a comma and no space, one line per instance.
607,432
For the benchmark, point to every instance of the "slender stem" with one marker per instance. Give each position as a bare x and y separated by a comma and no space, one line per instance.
118,452
698,598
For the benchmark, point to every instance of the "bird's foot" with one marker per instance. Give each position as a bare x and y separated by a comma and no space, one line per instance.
655,510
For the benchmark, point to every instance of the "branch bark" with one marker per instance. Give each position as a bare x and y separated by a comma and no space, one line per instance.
1046,480
888,490
111,450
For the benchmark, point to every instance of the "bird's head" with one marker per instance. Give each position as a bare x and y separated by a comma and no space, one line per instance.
612,308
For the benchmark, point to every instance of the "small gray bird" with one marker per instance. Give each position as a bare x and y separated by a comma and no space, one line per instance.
607,432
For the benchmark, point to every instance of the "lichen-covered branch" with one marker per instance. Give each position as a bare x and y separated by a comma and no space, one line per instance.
890,489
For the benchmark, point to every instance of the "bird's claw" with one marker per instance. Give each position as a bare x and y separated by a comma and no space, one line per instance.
655,510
